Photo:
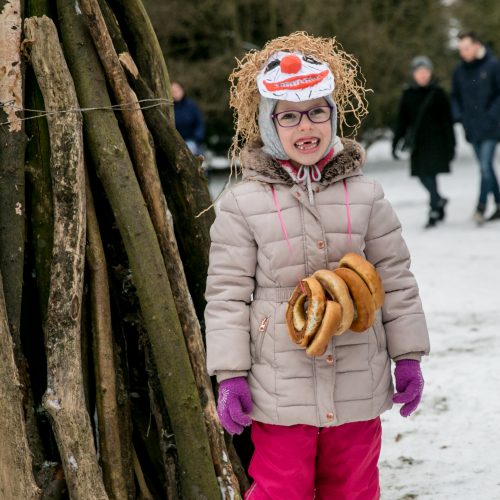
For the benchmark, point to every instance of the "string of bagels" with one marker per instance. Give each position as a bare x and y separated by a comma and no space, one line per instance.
330,302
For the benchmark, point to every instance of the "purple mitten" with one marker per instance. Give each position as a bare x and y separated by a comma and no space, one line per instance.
409,384
234,405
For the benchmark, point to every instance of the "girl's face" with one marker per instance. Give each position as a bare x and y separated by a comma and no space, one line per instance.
305,143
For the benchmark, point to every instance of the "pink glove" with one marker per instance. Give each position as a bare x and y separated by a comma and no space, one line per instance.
234,405
409,384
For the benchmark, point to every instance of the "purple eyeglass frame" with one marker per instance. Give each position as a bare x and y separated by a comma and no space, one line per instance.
274,116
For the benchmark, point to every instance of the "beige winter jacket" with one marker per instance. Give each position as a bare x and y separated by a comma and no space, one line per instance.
252,274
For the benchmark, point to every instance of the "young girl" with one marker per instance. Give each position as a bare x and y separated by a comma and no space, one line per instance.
303,204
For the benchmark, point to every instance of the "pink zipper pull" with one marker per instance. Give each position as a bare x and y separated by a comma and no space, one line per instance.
263,324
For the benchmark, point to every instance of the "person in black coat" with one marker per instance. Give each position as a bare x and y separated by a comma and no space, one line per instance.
476,103
425,123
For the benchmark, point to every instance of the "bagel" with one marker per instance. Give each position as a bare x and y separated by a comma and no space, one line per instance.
364,314
368,273
337,289
330,324
302,326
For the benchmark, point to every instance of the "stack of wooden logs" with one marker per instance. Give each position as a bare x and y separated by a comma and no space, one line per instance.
103,257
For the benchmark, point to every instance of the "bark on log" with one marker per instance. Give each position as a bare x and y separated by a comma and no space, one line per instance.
16,476
186,190
12,148
111,455
64,397
12,200
115,171
139,138
38,174
187,316
146,51
39,187
184,183
158,410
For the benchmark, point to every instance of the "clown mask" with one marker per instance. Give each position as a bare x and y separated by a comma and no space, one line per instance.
293,76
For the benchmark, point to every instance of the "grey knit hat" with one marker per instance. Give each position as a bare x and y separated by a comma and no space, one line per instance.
421,61
269,135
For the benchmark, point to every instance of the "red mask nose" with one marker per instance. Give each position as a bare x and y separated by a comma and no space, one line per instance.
290,64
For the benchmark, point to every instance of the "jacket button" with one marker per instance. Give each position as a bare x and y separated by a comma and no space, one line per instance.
329,416
329,359
321,244
297,194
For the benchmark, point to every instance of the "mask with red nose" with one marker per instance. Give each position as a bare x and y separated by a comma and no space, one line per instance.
296,77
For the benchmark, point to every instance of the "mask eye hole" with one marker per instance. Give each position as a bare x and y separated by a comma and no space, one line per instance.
272,65
309,59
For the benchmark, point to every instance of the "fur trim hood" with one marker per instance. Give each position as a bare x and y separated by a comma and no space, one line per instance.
259,166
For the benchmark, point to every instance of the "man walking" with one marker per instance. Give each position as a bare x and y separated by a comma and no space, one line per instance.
476,103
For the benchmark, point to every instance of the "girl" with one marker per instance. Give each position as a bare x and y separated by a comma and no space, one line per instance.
425,121
302,205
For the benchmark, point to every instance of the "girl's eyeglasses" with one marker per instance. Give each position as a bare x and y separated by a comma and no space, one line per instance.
291,118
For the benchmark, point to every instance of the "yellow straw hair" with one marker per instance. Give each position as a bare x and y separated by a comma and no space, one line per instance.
349,93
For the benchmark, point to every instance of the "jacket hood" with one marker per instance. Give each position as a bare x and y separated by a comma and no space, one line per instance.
259,166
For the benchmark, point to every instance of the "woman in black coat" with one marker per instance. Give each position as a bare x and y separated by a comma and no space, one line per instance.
425,123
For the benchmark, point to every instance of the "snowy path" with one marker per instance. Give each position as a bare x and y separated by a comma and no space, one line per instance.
450,448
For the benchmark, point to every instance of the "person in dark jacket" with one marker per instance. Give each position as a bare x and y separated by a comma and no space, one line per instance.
188,119
476,103
425,123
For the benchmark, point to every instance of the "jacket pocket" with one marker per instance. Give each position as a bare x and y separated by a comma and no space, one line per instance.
264,323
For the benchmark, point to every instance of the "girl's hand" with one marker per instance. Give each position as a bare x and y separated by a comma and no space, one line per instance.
409,385
234,404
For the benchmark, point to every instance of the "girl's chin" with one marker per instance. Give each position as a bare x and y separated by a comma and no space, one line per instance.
309,158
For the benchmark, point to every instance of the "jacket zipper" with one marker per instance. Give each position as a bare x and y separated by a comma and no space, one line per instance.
262,331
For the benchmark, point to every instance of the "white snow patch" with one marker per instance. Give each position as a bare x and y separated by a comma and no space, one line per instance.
54,403
225,491
72,463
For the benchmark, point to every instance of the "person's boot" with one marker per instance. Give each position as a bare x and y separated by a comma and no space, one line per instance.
440,208
479,215
495,215
433,219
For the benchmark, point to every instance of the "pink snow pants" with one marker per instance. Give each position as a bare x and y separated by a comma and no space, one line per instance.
303,462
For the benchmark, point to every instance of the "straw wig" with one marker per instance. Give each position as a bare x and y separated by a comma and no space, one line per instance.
349,93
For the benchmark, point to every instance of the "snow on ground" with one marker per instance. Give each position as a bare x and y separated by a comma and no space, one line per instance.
450,448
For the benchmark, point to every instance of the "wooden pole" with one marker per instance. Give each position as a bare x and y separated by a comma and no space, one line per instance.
16,475
146,51
111,454
12,147
64,398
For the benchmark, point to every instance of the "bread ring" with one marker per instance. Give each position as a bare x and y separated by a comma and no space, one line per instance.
302,326
363,301
329,325
368,273
337,289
